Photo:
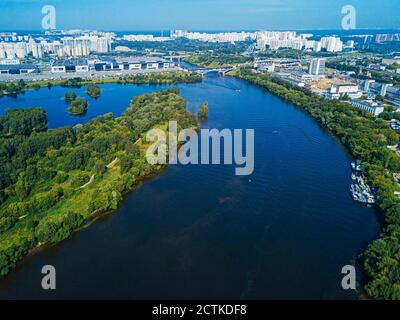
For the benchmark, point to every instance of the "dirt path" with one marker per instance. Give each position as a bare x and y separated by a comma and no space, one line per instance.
111,164
90,181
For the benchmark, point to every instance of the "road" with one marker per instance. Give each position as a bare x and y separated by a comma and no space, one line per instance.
48,76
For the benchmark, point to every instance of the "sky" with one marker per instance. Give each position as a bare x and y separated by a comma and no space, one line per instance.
199,14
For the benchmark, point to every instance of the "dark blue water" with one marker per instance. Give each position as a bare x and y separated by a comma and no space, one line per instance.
202,232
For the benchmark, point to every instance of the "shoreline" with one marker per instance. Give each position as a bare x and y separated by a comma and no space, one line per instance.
91,219
167,77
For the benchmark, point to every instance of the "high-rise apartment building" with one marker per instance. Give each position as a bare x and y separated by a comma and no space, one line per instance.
317,67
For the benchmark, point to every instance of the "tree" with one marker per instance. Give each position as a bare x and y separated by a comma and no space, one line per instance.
80,180
100,167
23,121
125,164
93,90
78,107
77,159
203,111
345,97
132,150
70,96
21,83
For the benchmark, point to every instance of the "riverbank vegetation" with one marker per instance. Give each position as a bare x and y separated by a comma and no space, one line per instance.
367,138
217,59
53,181
18,87
203,111
141,78
155,78
161,78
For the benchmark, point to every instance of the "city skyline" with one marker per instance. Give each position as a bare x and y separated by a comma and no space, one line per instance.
197,15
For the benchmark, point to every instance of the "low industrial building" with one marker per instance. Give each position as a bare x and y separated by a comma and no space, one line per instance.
131,63
18,68
70,65
338,91
106,64
369,106
141,63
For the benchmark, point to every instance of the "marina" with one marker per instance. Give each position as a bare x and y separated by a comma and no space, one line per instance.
360,191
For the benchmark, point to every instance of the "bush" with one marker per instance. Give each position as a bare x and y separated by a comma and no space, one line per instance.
93,90
78,107
80,180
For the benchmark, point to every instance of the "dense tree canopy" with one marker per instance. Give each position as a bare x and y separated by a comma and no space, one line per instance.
70,96
78,106
23,122
93,90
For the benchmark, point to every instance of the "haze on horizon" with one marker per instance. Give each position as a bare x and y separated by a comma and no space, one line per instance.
198,14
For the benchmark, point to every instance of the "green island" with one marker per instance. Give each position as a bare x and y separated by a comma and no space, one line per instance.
366,138
78,107
56,181
93,90
70,96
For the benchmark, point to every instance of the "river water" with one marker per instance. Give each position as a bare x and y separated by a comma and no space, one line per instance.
199,231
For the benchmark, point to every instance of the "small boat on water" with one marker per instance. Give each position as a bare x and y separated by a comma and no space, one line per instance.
356,166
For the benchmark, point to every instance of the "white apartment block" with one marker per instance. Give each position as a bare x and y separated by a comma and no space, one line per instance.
213,37
317,67
369,106
289,39
332,44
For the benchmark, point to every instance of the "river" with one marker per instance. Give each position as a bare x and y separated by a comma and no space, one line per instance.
199,231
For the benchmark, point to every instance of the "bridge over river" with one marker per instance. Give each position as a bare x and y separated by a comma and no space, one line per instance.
220,70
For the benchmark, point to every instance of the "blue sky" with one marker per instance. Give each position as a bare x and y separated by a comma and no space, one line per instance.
198,14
